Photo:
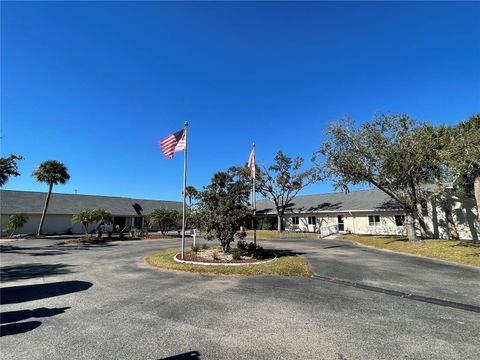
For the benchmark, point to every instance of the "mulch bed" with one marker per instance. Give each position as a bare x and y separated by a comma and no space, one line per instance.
194,257
103,240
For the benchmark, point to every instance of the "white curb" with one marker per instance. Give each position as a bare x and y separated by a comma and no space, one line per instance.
222,264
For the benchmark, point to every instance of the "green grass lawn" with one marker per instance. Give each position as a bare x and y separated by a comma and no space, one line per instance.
288,265
273,234
463,252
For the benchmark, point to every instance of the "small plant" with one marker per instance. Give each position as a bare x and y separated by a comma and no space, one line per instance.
195,248
235,254
204,247
99,234
242,245
259,253
15,222
251,247
138,233
215,255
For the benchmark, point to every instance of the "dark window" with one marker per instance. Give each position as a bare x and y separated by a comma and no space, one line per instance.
295,220
312,220
424,208
399,220
374,220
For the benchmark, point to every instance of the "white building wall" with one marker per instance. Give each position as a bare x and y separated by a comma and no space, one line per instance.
464,213
54,224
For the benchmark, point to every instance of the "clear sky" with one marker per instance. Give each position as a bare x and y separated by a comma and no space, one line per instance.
96,85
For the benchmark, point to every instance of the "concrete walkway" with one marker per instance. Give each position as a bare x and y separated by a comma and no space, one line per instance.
103,302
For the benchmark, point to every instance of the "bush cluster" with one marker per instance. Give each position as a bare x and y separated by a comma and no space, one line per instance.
250,249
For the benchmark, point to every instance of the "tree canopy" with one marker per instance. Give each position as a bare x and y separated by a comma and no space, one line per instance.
8,167
392,153
223,206
283,180
461,153
52,172
166,219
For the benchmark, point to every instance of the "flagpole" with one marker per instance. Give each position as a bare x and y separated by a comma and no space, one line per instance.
254,200
184,189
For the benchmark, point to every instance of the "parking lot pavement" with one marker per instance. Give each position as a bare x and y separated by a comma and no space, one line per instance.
103,302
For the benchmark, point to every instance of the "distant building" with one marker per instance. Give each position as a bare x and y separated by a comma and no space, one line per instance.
126,212
368,212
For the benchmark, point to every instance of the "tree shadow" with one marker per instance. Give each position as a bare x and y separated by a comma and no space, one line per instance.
17,294
33,251
18,328
286,252
30,271
193,355
334,246
20,315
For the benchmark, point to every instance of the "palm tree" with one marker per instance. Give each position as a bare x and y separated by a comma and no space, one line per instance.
190,193
16,222
85,217
51,172
101,217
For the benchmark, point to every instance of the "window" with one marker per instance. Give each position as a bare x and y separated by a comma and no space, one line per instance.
374,220
399,220
312,220
424,208
295,220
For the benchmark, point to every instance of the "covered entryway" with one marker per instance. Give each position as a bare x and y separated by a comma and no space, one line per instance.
119,221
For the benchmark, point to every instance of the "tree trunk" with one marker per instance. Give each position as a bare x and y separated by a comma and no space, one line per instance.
476,190
410,227
42,219
279,222
86,228
451,226
421,221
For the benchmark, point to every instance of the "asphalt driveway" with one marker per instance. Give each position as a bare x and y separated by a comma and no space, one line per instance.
103,302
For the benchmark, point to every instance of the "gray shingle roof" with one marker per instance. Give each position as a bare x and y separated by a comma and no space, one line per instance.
29,202
353,201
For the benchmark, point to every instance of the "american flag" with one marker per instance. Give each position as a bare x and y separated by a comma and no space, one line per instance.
173,143
251,163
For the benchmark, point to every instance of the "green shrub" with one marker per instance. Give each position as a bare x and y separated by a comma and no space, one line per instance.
204,247
267,225
259,253
195,248
215,256
242,245
138,233
235,254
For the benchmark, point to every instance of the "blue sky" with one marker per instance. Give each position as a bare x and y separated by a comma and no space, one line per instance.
96,85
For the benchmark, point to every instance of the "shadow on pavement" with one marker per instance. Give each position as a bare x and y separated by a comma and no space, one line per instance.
18,328
17,294
194,355
20,315
286,252
29,271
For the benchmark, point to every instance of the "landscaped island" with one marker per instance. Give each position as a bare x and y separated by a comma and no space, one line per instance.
264,263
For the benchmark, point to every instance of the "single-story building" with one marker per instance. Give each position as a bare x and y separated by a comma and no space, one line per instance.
126,212
368,212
